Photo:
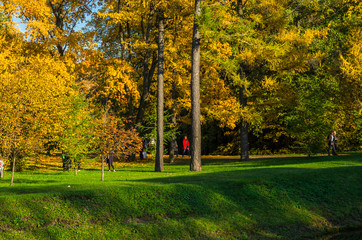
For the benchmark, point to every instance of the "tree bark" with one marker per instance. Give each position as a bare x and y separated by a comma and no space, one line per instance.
102,179
147,78
173,144
130,103
147,70
59,14
160,96
195,164
244,128
13,170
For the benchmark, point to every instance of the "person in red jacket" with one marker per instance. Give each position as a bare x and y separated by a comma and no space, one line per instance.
186,146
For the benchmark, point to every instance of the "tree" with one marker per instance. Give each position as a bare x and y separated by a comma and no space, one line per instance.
131,26
77,138
262,45
129,33
309,120
34,93
195,94
160,95
113,138
343,62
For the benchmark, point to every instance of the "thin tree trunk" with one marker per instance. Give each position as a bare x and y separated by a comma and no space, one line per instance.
147,70
147,79
244,128
195,164
160,96
104,127
2,170
14,140
120,31
75,169
102,169
13,170
130,102
173,144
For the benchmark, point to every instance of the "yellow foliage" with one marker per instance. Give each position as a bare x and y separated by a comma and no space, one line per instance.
33,96
269,83
352,63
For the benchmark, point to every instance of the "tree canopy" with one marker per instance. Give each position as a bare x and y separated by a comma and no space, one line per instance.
275,76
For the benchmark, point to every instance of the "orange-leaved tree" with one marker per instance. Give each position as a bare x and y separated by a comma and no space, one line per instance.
114,137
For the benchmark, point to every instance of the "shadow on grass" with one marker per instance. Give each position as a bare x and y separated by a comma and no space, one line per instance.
261,203
48,173
270,160
30,181
312,191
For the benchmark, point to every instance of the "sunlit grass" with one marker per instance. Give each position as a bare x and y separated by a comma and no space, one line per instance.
265,198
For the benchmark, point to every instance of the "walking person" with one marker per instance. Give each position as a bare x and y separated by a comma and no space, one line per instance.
110,162
331,143
185,146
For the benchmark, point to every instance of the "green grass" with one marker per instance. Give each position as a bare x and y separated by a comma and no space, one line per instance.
266,198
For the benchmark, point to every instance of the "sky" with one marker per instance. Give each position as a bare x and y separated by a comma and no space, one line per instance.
19,25
22,26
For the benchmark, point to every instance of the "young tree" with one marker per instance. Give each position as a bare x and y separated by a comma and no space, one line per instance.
34,94
113,138
77,138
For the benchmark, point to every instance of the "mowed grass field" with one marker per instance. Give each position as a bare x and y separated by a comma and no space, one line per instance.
265,198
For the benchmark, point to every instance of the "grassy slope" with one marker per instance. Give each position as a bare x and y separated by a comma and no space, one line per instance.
280,198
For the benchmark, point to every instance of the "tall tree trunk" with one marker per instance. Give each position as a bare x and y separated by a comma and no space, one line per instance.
120,31
173,144
121,36
104,127
130,103
160,97
13,170
148,71
244,128
147,78
195,164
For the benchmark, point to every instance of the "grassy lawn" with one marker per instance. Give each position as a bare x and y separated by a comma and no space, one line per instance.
264,198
